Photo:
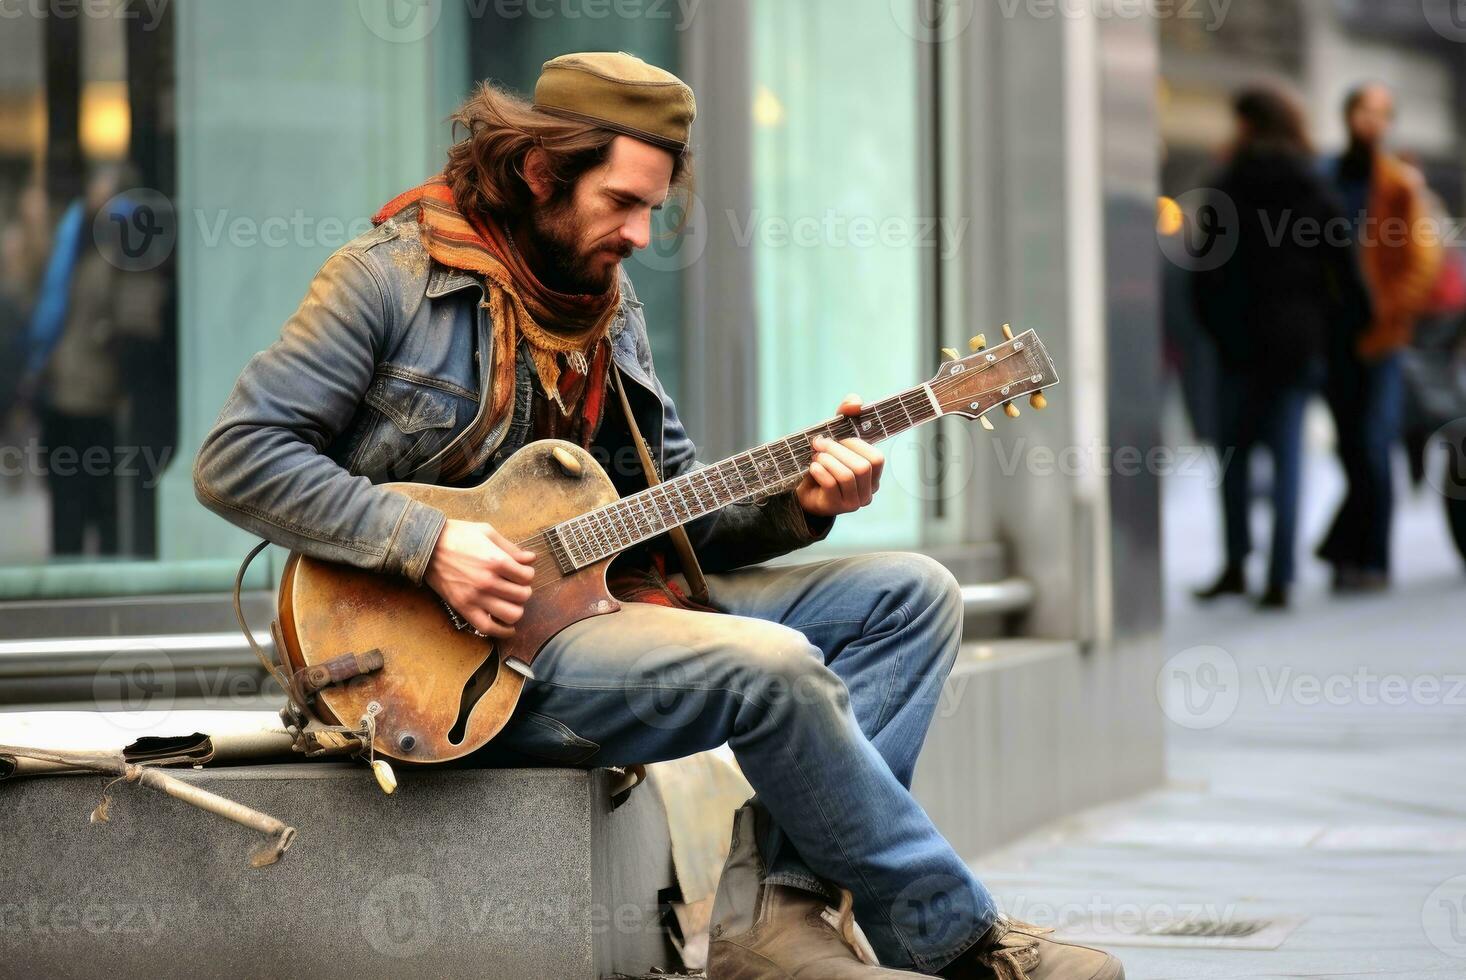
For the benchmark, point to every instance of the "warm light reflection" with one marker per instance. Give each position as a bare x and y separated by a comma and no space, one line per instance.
768,111
22,124
106,120
1168,217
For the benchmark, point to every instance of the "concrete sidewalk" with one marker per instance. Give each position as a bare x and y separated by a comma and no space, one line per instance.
1317,777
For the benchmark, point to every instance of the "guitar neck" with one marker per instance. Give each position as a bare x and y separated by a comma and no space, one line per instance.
765,470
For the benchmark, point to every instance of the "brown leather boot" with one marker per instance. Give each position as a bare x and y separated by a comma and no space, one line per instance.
776,932
1018,951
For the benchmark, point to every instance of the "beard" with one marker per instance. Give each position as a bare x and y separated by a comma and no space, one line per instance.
564,265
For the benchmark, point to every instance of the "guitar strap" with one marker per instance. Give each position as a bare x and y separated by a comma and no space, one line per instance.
697,585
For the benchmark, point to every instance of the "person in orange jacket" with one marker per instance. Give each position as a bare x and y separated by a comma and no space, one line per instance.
1400,254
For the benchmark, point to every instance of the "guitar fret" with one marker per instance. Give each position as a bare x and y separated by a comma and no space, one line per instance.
677,497
723,478
759,471
692,501
779,465
739,463
660,497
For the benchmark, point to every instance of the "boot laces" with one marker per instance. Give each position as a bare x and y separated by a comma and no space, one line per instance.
1014,950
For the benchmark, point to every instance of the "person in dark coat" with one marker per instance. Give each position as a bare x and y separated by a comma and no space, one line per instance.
1274,306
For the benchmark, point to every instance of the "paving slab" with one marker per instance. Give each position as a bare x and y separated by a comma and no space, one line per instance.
1317,767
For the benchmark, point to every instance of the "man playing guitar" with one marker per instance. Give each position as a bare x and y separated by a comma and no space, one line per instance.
488,309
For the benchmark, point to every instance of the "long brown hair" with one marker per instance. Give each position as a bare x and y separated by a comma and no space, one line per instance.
486,167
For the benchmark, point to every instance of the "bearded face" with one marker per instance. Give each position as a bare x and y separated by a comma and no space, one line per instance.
575,238
572,258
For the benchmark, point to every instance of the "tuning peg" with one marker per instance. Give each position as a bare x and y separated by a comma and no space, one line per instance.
950,353
1008,331
1038,401
1011,410
986,423
978,343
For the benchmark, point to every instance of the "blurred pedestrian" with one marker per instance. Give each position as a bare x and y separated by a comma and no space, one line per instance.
1273,308
1400,258
85,314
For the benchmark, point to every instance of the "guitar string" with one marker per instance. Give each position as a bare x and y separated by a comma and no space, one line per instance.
780,452
595,544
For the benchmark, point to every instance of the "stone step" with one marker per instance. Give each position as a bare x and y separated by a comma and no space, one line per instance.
526,874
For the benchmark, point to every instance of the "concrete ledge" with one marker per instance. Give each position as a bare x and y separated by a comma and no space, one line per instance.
524,874
1029,731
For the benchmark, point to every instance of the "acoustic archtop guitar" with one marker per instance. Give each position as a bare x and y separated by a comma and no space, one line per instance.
360,643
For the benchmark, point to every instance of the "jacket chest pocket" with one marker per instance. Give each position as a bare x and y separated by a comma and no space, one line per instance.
404,424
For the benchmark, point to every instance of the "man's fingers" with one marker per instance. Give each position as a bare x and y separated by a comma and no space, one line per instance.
486,624
822,476
509,547
872,456
502,588
865,449
507,613
854,461
859,467
851,405
834,464
512,570
844,478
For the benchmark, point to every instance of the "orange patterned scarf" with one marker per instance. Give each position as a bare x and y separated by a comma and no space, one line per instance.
554,324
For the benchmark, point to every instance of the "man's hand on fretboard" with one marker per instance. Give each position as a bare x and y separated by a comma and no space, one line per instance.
844,475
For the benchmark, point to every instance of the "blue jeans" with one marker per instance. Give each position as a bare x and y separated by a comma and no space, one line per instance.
823,679
1368,403
1250,416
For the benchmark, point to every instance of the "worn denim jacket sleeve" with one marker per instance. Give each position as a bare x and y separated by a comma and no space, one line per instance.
741,534
264,467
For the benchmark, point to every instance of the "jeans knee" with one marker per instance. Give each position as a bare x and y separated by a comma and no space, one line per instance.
787,669
926,584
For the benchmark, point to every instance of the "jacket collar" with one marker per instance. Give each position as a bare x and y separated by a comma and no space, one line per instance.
443,280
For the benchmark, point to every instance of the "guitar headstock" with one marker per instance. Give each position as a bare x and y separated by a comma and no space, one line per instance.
974,385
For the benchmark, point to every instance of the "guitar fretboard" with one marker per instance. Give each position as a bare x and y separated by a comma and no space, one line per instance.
759,472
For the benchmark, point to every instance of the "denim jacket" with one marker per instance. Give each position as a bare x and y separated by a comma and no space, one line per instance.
376,377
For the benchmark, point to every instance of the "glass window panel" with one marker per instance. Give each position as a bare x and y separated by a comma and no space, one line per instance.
835,228
248,142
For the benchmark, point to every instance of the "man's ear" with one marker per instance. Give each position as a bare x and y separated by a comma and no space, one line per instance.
537,176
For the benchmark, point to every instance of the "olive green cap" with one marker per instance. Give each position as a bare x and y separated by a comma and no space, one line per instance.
619,92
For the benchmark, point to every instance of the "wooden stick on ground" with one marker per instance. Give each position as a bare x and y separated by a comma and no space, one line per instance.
280,836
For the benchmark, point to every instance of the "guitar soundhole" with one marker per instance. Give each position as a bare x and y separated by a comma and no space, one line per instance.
479,683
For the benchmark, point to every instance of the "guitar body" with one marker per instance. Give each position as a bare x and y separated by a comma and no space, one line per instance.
443,693
357,643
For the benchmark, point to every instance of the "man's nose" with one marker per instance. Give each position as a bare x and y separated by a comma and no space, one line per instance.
637,231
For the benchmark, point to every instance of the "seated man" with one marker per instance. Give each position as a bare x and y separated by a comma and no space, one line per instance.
487,309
